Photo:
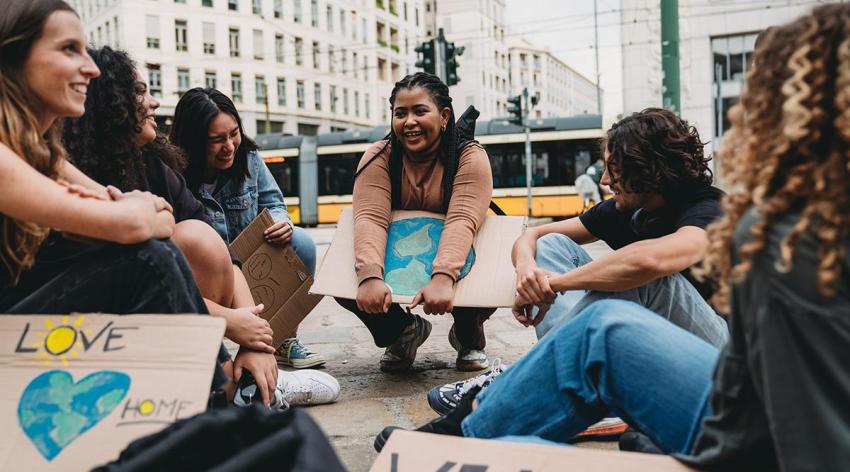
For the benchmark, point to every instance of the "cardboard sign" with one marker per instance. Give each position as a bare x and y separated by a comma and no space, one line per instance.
410,451
277,277
488,278
77,389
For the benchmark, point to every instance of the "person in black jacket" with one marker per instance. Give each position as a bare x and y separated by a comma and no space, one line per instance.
116,143
775,397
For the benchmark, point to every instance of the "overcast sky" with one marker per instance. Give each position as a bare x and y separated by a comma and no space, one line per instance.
566,28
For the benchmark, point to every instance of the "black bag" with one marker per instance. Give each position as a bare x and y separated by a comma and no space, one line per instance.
233,439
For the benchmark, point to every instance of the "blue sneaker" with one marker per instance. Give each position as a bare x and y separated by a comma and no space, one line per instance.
294,354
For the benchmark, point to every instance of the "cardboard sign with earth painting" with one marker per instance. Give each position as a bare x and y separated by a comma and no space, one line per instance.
77,389
486,279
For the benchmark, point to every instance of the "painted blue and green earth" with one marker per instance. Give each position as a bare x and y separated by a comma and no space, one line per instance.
411,248
54,410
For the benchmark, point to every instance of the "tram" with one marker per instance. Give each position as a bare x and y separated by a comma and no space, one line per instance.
316,173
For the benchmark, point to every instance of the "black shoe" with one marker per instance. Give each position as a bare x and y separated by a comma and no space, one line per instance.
448,425
444,398
635,441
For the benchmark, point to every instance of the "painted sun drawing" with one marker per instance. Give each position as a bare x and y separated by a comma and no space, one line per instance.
59,340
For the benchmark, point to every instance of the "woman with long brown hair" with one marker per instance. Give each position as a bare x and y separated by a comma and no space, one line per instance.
777,398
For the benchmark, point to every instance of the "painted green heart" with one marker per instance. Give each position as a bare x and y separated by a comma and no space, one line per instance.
54,411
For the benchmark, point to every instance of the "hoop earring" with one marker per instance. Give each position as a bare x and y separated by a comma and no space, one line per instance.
443,128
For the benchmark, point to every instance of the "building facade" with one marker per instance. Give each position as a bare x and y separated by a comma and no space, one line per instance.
562,90
716,40
292,66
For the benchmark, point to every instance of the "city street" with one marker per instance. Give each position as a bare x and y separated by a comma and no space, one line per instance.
371,399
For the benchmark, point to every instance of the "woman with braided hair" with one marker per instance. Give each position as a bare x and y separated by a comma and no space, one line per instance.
775,397
421,165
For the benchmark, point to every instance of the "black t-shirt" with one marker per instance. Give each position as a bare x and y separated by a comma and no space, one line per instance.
617,228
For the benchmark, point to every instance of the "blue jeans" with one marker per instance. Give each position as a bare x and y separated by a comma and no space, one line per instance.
304,247
614,357
672,297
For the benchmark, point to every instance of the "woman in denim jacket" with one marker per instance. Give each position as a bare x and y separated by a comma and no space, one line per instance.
227,174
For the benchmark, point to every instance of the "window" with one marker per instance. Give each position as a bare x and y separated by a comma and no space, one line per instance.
330,18
281,91
182,80
416,14
117,34
366,105
155,80
354,69
278,47
732,59
333,98
259,53
152,31
299,91
175,1
364,31
299,51
342,21
233,5
345,101
356,103
210,79
315,54
344,55
206,3
209,38
181,42
260,89
257,7
236,86
233,39
331,58
404,8
353,25
314,13
317,96
297,14
278,8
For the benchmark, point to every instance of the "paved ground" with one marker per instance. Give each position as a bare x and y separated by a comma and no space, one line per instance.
372,399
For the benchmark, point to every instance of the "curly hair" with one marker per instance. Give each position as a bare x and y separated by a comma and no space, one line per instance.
655,151
788,148
102,142
20,27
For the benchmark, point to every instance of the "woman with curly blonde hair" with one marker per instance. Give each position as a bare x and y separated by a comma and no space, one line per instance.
776,397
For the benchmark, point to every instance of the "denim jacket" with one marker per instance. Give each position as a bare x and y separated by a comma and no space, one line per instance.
232,207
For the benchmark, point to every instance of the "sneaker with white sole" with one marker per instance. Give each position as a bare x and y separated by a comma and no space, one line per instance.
307,387
247,393
468,360
445,398
294,354
400,355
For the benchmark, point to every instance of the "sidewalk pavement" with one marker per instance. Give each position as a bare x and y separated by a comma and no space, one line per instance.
371,399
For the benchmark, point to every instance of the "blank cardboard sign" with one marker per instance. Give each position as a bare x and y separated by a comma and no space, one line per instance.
277,277
409,451
488,277
77,389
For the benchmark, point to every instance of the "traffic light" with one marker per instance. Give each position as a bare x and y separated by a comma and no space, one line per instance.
427,62
451,63
515,110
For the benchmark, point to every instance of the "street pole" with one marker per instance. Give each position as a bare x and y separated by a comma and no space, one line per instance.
596,50
527,122
670,54
439,55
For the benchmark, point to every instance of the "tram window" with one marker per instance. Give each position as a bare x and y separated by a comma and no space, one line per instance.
554,163
336,173
286,176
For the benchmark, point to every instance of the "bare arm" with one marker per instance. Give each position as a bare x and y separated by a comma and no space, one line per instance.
28,195
70,173
638,263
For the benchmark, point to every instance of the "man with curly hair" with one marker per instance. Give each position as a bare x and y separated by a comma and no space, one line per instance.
662,200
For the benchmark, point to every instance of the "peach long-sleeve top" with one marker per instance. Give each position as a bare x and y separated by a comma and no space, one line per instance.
421,189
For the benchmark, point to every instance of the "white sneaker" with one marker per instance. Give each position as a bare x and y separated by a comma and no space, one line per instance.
307,387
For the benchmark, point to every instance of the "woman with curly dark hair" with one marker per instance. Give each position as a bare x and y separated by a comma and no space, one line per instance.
777,399
116,143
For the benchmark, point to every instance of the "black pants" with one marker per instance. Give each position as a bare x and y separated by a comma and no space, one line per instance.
386,328
69,276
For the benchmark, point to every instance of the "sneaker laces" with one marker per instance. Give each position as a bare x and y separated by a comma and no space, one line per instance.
484,379
296,349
